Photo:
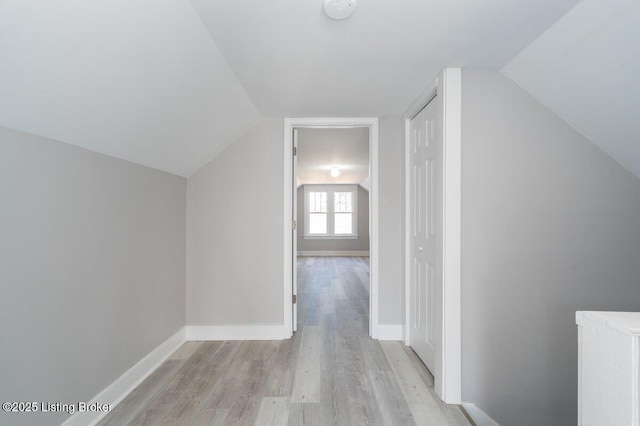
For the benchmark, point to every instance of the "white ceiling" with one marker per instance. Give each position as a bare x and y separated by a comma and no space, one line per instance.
586,68
170,83
294,61
319,150
140,80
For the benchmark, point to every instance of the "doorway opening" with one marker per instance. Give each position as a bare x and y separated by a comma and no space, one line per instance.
331,169
331,208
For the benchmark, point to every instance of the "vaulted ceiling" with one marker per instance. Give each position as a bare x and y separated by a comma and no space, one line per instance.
586,68
170,83
140,80
294,61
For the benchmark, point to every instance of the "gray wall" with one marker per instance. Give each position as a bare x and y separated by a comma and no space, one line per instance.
234,252
361,243
550,225
234,231
391,182
92,254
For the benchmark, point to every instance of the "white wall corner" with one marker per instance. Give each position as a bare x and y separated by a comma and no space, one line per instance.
450,85
122,386
237,332
390,331
479,417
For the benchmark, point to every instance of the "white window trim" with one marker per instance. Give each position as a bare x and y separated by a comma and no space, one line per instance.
330,189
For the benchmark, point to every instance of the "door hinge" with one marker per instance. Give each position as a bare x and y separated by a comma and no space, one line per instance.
294,298
295,151
294,225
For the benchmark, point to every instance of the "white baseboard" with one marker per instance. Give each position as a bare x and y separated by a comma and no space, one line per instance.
479,417
236,332
122,386
309,253
390,331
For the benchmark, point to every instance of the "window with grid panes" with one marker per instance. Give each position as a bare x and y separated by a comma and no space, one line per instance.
330,211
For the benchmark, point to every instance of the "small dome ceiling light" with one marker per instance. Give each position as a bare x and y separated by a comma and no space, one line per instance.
339,9
335,172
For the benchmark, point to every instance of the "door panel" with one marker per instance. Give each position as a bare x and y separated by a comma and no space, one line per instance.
425,179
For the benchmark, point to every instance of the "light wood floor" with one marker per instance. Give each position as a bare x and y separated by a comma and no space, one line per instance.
329,373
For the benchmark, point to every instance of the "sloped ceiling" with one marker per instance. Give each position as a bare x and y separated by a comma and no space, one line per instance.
139,80
294,61
586,68
170,83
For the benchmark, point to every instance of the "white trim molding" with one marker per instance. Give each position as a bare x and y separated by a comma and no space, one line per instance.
448,88
237,332
390,331
331,237
334,253
289,125
122,386
479,417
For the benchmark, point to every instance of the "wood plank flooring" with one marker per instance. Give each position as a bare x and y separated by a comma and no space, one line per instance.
329,373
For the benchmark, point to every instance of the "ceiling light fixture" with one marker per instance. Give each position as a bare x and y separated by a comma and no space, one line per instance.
335,172
339,9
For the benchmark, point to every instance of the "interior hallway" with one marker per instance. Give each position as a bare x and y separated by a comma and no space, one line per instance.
330,372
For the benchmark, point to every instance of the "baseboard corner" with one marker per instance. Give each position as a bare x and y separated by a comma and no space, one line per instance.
479,417
123,385
390,332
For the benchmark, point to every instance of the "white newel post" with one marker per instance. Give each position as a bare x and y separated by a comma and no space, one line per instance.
608,375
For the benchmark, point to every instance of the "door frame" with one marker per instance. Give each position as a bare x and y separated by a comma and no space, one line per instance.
289,267
447,88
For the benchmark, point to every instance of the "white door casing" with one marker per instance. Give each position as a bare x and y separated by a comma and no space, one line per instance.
289,125
447,370
294,236
425,230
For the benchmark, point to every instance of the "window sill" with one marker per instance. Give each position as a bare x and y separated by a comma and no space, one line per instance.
330,237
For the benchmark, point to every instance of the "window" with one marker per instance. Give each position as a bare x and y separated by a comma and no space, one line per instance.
330,211
317,212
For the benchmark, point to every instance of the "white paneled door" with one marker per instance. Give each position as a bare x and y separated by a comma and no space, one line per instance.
425,229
